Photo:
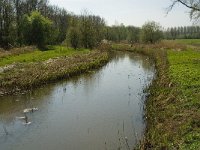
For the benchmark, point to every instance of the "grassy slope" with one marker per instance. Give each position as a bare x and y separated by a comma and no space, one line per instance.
35,56
173,108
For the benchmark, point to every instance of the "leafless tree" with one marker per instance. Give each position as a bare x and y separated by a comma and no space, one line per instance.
193,5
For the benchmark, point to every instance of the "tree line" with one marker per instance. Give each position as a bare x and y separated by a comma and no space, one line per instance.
36,22
186,32
150,32
13,13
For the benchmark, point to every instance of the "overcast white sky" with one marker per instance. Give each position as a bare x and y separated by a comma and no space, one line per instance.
130,12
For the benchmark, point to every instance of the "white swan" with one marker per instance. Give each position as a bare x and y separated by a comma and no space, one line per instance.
27,110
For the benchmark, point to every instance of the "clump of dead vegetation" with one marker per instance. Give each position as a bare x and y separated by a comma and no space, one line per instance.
16,51
29,75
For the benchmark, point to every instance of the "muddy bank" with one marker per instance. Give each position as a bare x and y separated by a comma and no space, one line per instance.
23,77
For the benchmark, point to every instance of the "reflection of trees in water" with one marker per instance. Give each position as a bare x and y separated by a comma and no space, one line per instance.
88,80
92,80
145,62
118,56
134,58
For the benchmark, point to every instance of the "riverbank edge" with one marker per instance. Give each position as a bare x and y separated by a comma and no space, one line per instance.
161,92
26,77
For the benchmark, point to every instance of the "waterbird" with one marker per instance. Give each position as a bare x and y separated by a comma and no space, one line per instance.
20,117
27,110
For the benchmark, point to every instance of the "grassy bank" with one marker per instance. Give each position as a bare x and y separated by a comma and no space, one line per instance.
29,55
173,107
50,66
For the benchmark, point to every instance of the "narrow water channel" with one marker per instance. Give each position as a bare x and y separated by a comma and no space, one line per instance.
99,110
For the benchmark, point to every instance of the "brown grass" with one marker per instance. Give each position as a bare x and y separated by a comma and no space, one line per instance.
16,51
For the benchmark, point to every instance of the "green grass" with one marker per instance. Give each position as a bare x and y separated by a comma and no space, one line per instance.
193,42
185,68
173,108
37,55
184,71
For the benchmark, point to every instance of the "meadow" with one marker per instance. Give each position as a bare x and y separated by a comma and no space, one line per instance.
184,72
192,42
38,55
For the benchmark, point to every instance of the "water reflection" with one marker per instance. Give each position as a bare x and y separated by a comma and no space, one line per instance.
102,109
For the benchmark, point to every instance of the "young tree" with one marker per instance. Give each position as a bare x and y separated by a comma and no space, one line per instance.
151,32
91,30
36,29
40,29
87,30
133,34
74,37
25,26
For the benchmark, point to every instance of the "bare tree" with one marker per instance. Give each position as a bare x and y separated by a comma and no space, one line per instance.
193,5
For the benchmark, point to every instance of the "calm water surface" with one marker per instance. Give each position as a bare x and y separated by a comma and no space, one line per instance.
95,111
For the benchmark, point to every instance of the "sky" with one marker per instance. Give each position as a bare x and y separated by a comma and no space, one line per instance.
130,12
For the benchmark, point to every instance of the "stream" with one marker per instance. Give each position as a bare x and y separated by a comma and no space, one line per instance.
99,110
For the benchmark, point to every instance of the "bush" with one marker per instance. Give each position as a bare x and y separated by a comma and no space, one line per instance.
74,37
36,29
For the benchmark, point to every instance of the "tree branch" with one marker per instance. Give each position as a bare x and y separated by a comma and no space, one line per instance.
188,6
171,6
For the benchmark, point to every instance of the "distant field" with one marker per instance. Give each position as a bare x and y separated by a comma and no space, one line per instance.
194,42
34,56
